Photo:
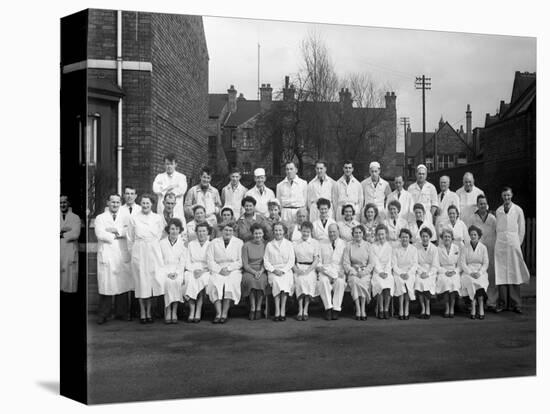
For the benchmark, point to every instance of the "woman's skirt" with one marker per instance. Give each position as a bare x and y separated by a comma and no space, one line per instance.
249,282
425,285
446,283
360,287
305,284
193,286
284,283
404,286
173,290
379,284
225,287
469,285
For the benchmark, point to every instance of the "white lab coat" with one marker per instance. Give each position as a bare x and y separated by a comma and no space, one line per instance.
113,259
382,254
136,208
345,229
345,193
68,252
450,198
279,254
291,196
232,197
305,252
320,232
375,194
510,268
415,230
427,196
468,202
196,260
460,231
332,279
315,191
404,260
488,238
174,258
218,256
474,261
184,233
261,199
448,261
144,233
162,181
394,229
428,261
406,202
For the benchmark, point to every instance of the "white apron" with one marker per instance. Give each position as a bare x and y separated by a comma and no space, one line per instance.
280,256
404,261
68,252
174,257
196,260
218,256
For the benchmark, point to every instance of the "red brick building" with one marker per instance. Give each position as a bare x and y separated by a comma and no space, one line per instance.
145,76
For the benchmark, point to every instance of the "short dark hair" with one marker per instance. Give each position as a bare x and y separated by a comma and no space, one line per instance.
480,196
234,170
129,187
198,206
290,162
171,157
348,162
283,225
307,225
406,231
206,170
379,227
476,229
174,221
348,206
320,161
113,194
358,227
427,231
419,206
453,207
230,223
169,194
151,197
323,202
248,199
257,226
506,188
373,206
227,209
205,225
395,203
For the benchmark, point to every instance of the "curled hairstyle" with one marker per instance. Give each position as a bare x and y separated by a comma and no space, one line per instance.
476,229
148,196
230,223
176,222
427,231
348,206
280,223
381,227
453,207
419,206
395,203
373,206
205,225
307,225
323,202
248,199
358,227
257,226
227,209
198,207
446,231
406,231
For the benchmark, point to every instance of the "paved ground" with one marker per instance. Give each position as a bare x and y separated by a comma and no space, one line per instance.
132,362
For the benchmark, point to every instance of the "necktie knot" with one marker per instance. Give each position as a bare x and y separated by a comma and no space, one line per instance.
114,217
130,209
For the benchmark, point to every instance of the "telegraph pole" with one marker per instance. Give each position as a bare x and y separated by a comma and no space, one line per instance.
422,82
258,90
405,122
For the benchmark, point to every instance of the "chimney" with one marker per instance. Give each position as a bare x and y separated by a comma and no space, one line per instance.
390,100
265,97
345,98
232,99
469,139
241,98
408,135
288,91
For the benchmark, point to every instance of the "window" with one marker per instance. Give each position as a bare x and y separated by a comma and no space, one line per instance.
247,168
212,143
462,159
88,143
233,139
247,142
445,161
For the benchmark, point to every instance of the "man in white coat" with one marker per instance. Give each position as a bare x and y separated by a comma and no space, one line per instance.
68,249
113,259
321,186
169,212
446,198
170,181
348,190
404,198
376,189
510,268
291,193
233,193
331,282
467,195
130,206
424,193
261,193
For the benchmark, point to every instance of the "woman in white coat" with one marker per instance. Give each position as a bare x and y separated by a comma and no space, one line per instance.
144,233
307,253
426,274
348,222
404,265
474,262
395,223
224,258
358,265
383,283
68,246
448,275
278,261
174,255
457,226
197,275
420,222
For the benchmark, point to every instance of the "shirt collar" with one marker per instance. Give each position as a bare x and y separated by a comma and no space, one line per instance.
343,179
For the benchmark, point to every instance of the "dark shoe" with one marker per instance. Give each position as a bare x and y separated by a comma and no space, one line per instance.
481,317
380,315
223,320
406,317
149,320
518,310
334,315
143,321
446,315
129,318
175,321
168,321
190,320
358,318
472,316
401,317
427,316
197,320
364,318
258,315
299,318
283,318
101,320
216,319
386,315
276,318
328,314
422,316
499,309
451,315
306,317
251,315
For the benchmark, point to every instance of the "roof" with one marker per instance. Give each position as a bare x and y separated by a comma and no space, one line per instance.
416,142
245,110
522,81
216,102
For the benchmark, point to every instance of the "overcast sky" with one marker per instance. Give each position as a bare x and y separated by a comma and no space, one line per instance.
465,68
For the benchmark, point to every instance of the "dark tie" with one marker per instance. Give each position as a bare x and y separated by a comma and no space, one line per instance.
114,217
398,194
63,216
347,180
130,208
334,245
506,209
419,223
442,195
394,222
321,181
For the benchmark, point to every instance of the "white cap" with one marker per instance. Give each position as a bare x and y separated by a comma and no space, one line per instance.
422,167
259,172
374,164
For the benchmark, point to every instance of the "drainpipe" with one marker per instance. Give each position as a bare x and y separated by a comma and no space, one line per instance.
119,83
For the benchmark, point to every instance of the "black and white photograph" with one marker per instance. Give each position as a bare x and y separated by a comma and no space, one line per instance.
267,206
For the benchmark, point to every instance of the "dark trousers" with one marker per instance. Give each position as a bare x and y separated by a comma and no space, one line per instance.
122,305
509,296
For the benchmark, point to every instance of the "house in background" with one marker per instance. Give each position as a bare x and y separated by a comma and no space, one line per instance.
142,80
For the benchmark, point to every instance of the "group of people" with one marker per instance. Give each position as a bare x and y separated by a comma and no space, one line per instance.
321,238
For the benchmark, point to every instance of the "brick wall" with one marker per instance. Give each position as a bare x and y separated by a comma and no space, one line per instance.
102,34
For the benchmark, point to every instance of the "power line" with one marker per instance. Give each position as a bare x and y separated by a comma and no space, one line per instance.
424,83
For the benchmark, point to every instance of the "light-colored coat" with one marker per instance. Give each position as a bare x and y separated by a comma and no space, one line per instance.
68,252
315,191
510,268
113,259
404,260
219,256
320,232
162,181
474,261
174,258
280,255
